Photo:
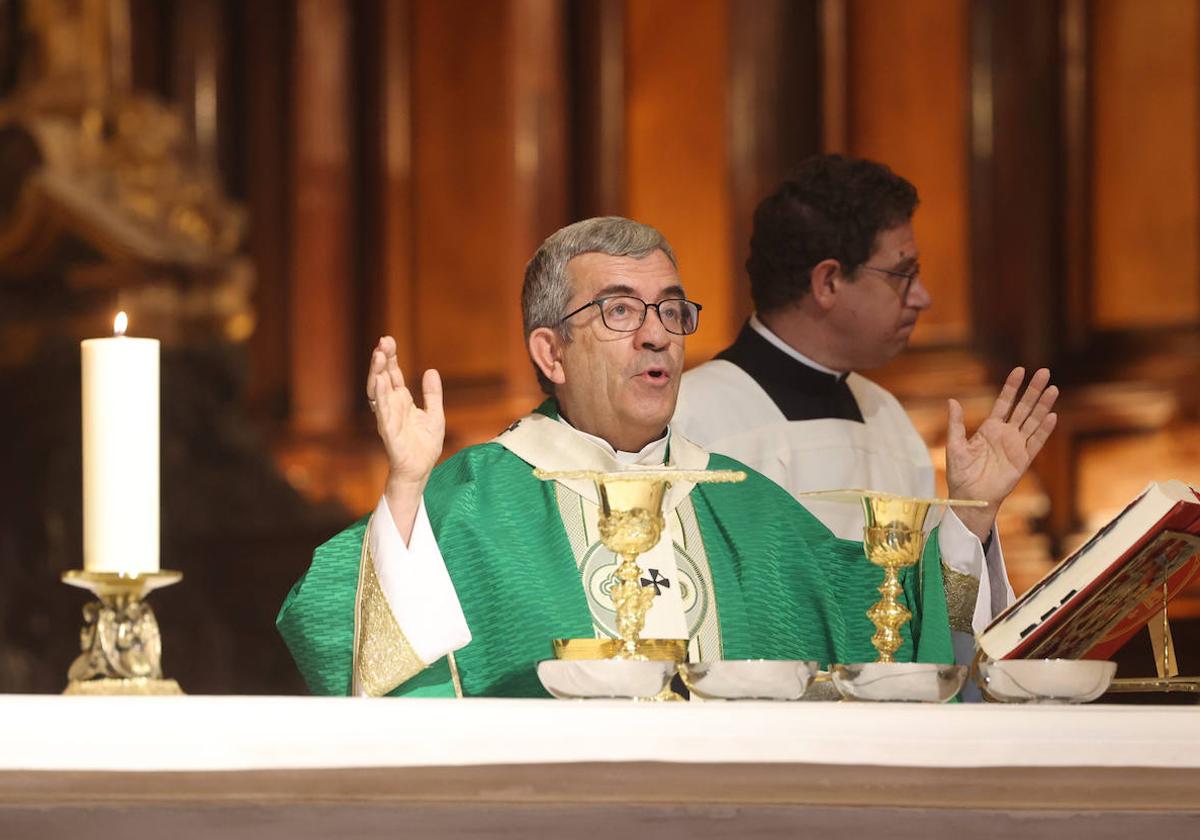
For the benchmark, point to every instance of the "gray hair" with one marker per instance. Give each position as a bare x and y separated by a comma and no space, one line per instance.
547,289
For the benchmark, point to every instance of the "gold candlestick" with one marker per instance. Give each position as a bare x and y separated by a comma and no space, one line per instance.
631,522
120,642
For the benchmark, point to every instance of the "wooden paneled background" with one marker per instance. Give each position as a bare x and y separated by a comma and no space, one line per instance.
400,160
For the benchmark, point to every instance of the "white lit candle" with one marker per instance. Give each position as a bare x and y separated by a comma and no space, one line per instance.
120,453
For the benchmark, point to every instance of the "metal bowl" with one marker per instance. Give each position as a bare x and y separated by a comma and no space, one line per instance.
905,682
749,679
1045,680
581,679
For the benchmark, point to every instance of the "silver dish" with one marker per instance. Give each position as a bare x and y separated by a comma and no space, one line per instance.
911,682
749,679
1045,680
581,679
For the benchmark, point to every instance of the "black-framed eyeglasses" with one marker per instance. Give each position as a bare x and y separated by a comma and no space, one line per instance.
906,276
624,313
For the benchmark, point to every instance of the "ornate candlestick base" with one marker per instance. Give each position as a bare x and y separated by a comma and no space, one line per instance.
122,648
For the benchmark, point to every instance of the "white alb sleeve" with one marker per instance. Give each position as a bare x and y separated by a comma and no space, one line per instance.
417,586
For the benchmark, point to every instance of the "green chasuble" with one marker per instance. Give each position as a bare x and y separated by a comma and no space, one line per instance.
784,586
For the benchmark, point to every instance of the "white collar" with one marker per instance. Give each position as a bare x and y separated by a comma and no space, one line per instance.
653,453
761,328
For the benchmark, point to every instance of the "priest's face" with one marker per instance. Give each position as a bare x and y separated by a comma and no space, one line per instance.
878,310
620,386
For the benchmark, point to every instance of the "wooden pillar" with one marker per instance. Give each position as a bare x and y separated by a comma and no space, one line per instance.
388,183
1146,166
597,56
1076,155
535,32
677,134
200,75
774,115
1016,184
835,75
908,112
322,380
266,150
489,176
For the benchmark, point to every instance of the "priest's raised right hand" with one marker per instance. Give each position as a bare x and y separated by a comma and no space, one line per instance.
411,436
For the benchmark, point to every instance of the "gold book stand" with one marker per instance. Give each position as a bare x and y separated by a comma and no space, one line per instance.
1168,679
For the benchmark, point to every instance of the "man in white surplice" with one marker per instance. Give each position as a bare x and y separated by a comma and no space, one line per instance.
836,281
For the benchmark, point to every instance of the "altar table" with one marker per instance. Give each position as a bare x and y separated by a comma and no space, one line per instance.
299,767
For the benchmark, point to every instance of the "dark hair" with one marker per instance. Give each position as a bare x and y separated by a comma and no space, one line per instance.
828,207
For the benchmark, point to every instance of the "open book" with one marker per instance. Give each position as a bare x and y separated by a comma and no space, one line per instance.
1093,601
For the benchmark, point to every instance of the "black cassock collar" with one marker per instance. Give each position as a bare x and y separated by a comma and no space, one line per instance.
799,391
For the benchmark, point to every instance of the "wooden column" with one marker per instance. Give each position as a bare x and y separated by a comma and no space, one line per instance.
1145,165
678,147
536,30
596,33
1016,182
906,67
490,184
266,150
321,291
835,75
201,76
1075,83
774,115
388,200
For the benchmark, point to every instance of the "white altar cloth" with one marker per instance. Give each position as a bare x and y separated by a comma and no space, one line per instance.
295,768
266,733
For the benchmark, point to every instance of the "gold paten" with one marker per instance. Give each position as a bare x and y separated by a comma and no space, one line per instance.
631,522
666,650
643,476
893,539
121,644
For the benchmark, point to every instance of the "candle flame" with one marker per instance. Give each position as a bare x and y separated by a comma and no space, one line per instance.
120,323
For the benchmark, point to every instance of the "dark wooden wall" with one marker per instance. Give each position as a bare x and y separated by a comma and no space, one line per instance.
401,159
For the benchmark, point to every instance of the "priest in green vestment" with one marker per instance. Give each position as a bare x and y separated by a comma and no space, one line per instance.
464,572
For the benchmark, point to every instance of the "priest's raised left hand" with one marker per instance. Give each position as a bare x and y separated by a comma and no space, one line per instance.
988,464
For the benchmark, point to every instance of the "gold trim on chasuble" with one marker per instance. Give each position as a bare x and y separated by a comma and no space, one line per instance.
383,656
962,591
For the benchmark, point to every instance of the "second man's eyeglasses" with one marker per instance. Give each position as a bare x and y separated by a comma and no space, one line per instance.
906,277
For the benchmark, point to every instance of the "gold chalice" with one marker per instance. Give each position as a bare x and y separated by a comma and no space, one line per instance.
893,539
631,522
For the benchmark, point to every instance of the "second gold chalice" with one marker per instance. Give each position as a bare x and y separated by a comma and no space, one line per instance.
893,539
